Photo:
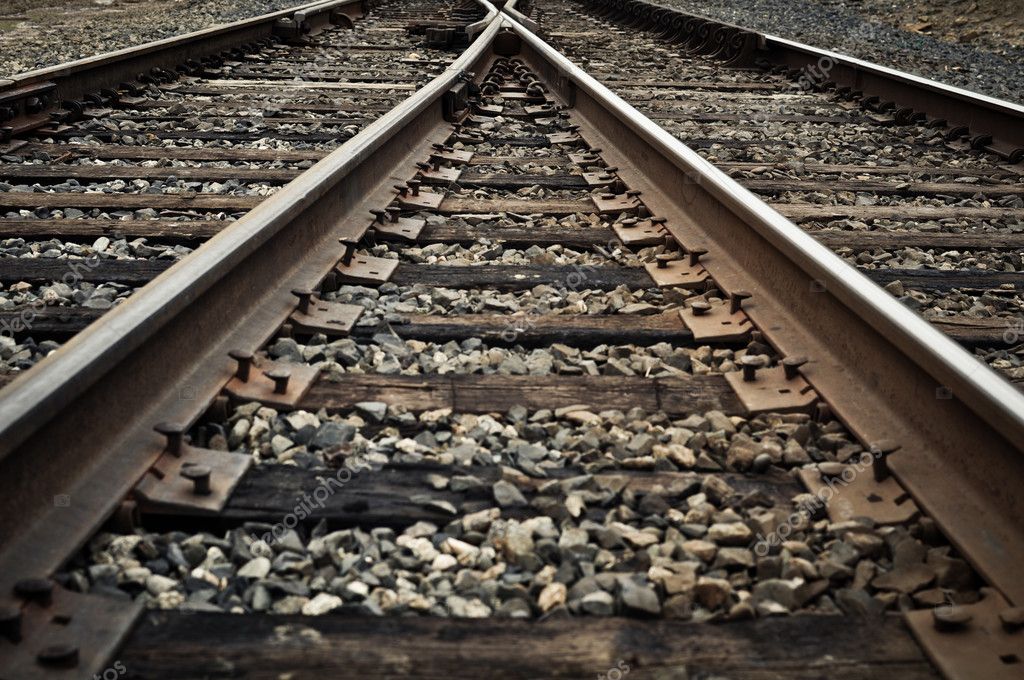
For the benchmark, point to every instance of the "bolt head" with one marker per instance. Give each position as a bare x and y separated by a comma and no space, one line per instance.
60,655
951,618
196,471
1012,618
35,589
700,308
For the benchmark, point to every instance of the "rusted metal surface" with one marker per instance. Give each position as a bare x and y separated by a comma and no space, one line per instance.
716,322
984,122
771,390
78,427
981,640
366,269
62,634
676,272
860,495
273,383
408,228
333,319
634,232
192,479
612,203
883,370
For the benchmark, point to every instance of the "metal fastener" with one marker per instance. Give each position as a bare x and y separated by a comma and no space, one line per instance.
244,359
304,295
280,376
695,254
1012,618
346,255
663,259
174,433
750,363
63,656
38,590
880,458
950,618
200,477
700,308
10,622
791,366
736,300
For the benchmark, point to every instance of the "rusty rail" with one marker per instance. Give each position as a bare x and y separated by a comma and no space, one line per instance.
912,385
37,98
80,424
982,122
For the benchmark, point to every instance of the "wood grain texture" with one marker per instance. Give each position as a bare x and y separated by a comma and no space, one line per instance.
181,646
498,393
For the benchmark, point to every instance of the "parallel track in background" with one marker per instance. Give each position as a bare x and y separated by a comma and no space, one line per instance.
892,190
508,379
124,182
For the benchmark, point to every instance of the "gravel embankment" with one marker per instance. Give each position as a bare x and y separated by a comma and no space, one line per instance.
864,32
34,35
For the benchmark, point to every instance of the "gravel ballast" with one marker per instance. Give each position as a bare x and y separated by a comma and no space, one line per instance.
34,35
860,31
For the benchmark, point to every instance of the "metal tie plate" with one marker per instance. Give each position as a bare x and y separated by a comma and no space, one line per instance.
440,175
677,274
76,634
982,646
334,319
615,203
261,387
404,227
717,324
885,502
564,138
772,391
454,156
165,486
423,200
364,269
599,178
640,233
586,159
539,110
488,109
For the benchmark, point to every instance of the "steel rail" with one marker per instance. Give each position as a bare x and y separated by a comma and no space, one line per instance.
475,29
988,123
511,10
1002,119
81,422
886,372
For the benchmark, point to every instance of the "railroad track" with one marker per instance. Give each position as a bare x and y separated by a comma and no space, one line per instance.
897,192
509,379
125,181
